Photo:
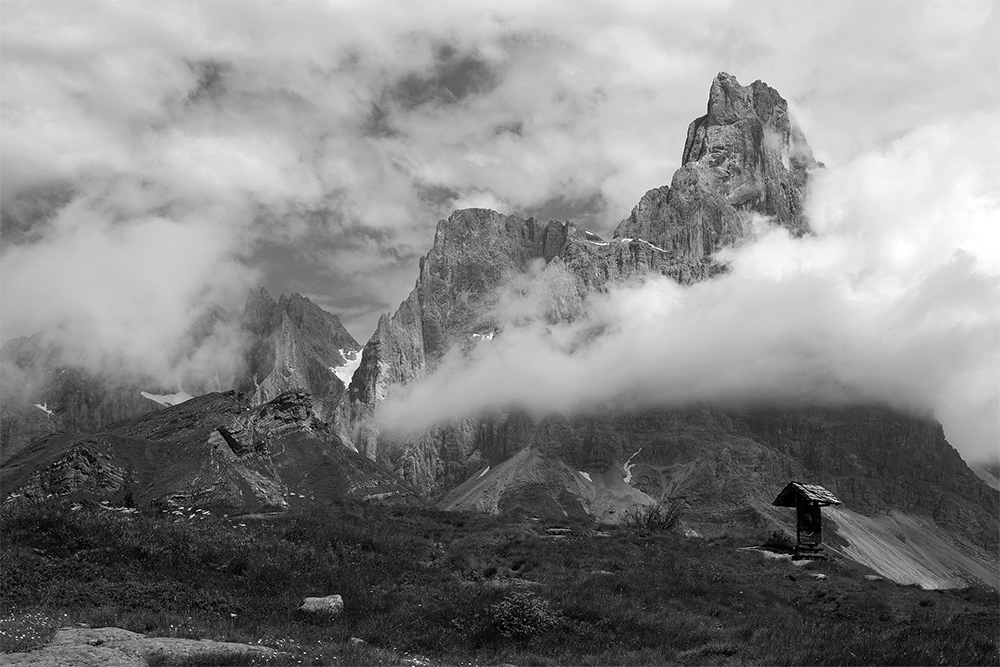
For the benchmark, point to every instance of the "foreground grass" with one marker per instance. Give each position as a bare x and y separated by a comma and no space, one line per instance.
456,589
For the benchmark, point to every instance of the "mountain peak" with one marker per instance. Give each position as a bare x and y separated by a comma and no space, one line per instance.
728,101
756,113
744,157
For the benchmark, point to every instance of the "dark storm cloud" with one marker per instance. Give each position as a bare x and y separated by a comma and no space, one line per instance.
452,78
515,128
377,123
211,84
436,195
25,216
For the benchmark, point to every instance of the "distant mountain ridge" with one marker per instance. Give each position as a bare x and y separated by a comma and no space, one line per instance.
289,344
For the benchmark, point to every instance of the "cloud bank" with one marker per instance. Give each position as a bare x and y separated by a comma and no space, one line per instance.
894,300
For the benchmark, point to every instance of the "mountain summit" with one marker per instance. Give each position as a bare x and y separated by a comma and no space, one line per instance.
745,156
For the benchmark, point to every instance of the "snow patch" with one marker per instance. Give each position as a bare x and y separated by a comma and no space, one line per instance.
628,465
586,476
485,470
44,407
654,247
352,360
627,239
167,400
478,337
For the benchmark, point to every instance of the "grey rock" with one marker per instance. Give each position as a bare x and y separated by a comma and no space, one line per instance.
330,605
115,647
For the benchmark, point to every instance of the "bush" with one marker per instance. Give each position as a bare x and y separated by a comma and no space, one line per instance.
658,516
521,615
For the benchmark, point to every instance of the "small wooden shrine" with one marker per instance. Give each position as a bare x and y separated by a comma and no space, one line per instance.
807,499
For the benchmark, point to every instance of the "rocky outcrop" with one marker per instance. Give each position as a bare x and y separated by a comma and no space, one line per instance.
476,251
115,647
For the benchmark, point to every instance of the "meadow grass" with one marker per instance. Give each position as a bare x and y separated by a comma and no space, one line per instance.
467,589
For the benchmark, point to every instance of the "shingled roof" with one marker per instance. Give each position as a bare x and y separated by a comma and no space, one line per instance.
797,492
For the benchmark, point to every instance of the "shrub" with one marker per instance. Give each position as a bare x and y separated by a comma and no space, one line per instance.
658,516
521,614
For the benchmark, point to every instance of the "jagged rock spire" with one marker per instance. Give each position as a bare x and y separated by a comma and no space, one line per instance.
744,157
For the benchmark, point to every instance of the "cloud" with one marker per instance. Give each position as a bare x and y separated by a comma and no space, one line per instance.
126,297
894,300
243,128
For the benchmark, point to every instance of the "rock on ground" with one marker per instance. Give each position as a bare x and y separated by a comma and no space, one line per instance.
331,605
114,647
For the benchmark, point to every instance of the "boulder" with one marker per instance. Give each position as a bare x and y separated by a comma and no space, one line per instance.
330,606
115,647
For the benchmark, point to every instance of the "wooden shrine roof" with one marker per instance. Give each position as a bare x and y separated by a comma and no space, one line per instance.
798,493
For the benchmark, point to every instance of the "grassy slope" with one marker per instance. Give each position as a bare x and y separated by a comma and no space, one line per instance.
464,588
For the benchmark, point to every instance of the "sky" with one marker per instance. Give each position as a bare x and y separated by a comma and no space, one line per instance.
157,159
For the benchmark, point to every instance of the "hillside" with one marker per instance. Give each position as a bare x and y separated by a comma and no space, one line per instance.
212,453
423,587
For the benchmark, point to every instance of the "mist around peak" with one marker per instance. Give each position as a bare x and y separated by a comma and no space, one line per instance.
892,300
